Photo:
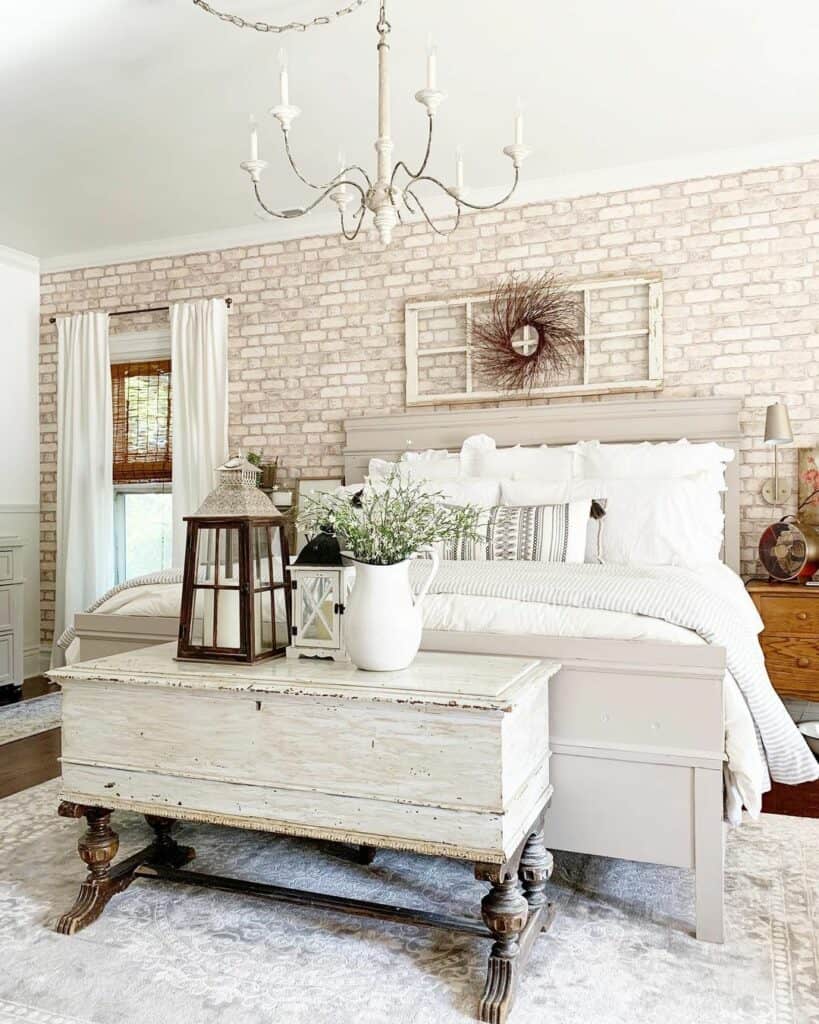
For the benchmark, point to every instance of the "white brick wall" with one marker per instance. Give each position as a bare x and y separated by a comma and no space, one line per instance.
317,327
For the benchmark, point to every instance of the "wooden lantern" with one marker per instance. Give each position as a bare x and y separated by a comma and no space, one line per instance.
319,583
235,596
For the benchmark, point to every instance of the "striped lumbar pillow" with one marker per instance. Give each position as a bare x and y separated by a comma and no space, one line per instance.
525,533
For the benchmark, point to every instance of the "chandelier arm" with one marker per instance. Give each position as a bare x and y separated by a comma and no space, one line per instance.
424,162
474,206
427,218
285,215
352,235
327,184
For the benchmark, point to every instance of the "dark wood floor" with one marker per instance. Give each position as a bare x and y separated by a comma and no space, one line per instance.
802,801
34,759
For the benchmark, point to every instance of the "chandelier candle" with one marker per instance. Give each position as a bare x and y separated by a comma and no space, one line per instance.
284,87
394,188
459,170
254,140
432,66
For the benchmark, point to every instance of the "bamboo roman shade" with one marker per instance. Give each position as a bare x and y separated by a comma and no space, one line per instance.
141,396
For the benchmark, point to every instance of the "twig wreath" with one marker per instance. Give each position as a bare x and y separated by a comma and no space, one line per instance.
543,303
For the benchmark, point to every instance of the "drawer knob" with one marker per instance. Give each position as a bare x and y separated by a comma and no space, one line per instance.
802,616
803,662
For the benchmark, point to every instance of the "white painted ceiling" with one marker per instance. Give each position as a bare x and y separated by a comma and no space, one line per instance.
123,121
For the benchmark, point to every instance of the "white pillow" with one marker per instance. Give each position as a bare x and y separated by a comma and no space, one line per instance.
526,491
416,469
440,476
662,522
378,469
646,460
464,490
471,451
531,533
432,455
540,463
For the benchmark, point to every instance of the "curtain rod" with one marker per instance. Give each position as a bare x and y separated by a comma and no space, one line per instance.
129,312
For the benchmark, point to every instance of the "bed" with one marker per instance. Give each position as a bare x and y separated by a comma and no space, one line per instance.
638,713
637,723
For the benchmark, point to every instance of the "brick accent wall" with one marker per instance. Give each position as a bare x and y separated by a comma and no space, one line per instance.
316,333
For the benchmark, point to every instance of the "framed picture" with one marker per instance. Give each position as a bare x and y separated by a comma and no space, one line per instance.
310,487
808,484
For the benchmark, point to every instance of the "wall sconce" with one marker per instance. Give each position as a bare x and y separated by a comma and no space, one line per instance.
777,431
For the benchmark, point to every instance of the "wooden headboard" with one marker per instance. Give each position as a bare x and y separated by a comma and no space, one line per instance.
654,419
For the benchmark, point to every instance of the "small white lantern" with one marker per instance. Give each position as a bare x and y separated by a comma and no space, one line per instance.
320,583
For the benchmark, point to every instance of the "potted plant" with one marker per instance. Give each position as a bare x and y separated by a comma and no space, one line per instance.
381,528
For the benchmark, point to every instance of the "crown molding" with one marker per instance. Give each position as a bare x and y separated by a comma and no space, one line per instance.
20,260
541,190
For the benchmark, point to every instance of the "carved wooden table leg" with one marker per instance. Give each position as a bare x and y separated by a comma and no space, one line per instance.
536,864
166,850
515,919
504,911
97,847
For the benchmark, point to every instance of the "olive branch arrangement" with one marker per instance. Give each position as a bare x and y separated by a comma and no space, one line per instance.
389,520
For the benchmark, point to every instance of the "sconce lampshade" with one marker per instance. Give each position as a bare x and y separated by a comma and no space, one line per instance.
778,425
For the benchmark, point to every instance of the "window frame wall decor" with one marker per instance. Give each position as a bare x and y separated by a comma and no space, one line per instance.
653,333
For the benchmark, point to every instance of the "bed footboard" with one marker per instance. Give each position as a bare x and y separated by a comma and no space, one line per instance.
101,635
638,742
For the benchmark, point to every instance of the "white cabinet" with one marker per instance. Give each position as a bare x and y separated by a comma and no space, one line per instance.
11,611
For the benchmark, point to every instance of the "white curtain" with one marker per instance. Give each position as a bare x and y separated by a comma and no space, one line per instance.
85,488
199,402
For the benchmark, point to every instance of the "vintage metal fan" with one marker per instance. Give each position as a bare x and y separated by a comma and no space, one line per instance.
789,550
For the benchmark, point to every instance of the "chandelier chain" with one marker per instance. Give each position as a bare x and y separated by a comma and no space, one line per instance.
291,26
383,26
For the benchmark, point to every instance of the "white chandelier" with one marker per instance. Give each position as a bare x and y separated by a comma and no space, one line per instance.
394,186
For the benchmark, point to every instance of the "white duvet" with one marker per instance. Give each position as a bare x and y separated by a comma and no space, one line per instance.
746,775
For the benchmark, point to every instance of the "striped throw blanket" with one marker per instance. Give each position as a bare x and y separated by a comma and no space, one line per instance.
675,595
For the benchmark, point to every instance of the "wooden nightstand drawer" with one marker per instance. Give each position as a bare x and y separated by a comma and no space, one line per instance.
790,615
793,665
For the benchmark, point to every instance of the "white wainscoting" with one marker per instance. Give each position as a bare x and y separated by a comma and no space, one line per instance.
23,522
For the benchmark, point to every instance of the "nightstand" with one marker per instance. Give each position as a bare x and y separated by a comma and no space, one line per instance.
790,639
790,642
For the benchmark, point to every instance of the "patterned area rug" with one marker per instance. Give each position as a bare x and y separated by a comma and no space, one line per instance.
619,952
28,717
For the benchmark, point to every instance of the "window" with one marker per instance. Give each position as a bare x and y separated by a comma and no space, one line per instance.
141,396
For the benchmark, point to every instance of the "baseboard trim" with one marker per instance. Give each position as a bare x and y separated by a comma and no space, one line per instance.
36,661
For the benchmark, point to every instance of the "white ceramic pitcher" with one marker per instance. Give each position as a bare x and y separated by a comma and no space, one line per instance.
382,620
